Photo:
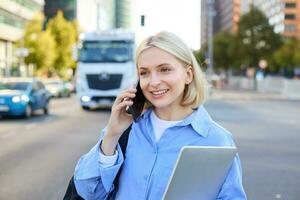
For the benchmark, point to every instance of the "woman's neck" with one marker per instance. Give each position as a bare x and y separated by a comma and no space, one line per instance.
173,114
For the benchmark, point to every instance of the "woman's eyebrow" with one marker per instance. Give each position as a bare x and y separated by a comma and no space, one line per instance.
160,65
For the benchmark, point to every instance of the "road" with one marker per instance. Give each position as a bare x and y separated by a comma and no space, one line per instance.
38,155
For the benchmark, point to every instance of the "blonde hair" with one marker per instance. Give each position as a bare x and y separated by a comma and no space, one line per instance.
195,93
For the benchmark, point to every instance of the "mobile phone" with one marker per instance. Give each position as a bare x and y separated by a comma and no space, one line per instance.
138,103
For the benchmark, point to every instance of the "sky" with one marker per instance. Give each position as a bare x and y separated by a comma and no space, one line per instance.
177,16
182,17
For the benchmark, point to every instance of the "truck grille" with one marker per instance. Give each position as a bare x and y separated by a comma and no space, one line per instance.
104,81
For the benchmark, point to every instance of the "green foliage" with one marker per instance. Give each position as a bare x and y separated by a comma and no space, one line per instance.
41,45
200,56
224,50
256,38
65,34
288,55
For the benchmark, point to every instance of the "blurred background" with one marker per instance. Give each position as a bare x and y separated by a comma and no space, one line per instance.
63,62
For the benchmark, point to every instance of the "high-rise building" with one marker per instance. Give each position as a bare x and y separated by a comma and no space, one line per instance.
68,7
284,15
122,13
226,15
13,16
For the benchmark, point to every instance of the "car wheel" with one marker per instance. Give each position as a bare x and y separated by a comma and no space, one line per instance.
28,111
46,108
85,107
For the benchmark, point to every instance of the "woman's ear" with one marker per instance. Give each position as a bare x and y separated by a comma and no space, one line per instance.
189,75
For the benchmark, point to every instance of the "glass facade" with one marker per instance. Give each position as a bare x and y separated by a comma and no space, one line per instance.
31,5
67,6
11,19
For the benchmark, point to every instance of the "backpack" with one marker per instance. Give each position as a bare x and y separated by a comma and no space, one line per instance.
71,193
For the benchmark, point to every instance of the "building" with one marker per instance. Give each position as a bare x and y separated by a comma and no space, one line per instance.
13,16
226,15
122,13
284,15
68,7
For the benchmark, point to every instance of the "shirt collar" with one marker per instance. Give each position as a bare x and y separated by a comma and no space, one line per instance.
200,120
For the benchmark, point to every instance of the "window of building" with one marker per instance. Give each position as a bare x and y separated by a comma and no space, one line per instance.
12,20
30,4
290,27
289,16
290,5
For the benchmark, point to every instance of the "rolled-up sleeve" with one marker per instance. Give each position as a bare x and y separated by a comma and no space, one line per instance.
92,180
232,188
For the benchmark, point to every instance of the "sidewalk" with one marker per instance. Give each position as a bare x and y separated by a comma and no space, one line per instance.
235,94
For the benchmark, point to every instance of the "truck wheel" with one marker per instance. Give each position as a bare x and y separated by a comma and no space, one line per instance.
85,107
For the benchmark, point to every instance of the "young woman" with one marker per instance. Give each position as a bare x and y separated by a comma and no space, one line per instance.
175,89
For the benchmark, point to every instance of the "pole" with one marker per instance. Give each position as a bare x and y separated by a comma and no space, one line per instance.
98,15
210,14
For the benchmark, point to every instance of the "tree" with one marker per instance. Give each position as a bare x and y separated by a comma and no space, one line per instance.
41,45
256,38
288,55
64,34
224,50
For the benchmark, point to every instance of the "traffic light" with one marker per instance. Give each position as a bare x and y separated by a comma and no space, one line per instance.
142,20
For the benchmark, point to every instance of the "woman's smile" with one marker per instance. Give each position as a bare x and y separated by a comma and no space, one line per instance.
158,93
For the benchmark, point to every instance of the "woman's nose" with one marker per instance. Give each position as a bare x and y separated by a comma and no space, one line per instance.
154,80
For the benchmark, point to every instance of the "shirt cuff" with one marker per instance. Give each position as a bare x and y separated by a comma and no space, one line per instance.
107,161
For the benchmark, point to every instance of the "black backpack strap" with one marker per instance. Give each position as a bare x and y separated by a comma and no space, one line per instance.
71,193
123,141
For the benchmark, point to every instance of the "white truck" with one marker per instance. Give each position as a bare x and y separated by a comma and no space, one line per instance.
105,67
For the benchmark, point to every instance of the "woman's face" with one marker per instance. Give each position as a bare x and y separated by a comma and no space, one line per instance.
162,78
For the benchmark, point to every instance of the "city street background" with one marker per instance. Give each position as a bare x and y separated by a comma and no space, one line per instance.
38,155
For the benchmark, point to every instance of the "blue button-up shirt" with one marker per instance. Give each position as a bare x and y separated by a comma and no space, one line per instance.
149,163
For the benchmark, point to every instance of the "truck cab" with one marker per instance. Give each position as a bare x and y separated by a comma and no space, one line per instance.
105,67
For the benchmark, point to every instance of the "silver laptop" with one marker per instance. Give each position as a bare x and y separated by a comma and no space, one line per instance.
199,173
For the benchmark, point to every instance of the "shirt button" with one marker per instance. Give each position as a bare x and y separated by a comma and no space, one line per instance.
145,177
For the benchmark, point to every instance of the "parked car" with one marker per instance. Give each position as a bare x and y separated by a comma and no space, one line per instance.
22,96
57,88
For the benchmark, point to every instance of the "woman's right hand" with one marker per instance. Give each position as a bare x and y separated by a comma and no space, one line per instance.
118,122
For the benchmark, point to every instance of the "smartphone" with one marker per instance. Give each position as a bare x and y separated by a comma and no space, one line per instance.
138,103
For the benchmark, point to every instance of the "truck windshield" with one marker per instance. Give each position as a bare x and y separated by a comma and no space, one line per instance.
106,51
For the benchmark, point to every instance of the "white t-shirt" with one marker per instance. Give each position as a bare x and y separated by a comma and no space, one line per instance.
160,125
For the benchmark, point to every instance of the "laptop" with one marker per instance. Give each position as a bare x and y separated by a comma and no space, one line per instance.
199,173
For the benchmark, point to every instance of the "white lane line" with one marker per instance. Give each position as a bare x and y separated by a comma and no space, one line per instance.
8,135
31,125
48,119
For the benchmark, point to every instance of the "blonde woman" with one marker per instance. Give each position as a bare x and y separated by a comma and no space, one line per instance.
175,88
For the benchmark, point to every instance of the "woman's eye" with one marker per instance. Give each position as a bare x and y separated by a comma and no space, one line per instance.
143,73
165,69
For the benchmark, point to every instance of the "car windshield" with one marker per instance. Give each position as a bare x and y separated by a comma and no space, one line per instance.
13,85
106,51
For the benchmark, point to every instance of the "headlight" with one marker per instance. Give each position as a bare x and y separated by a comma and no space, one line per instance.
85,98
24,98
16,99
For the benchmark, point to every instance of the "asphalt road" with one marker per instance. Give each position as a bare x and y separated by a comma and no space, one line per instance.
38,155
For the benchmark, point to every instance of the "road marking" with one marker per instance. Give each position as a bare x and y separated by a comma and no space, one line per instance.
48,119
278,196
9,134
31,125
